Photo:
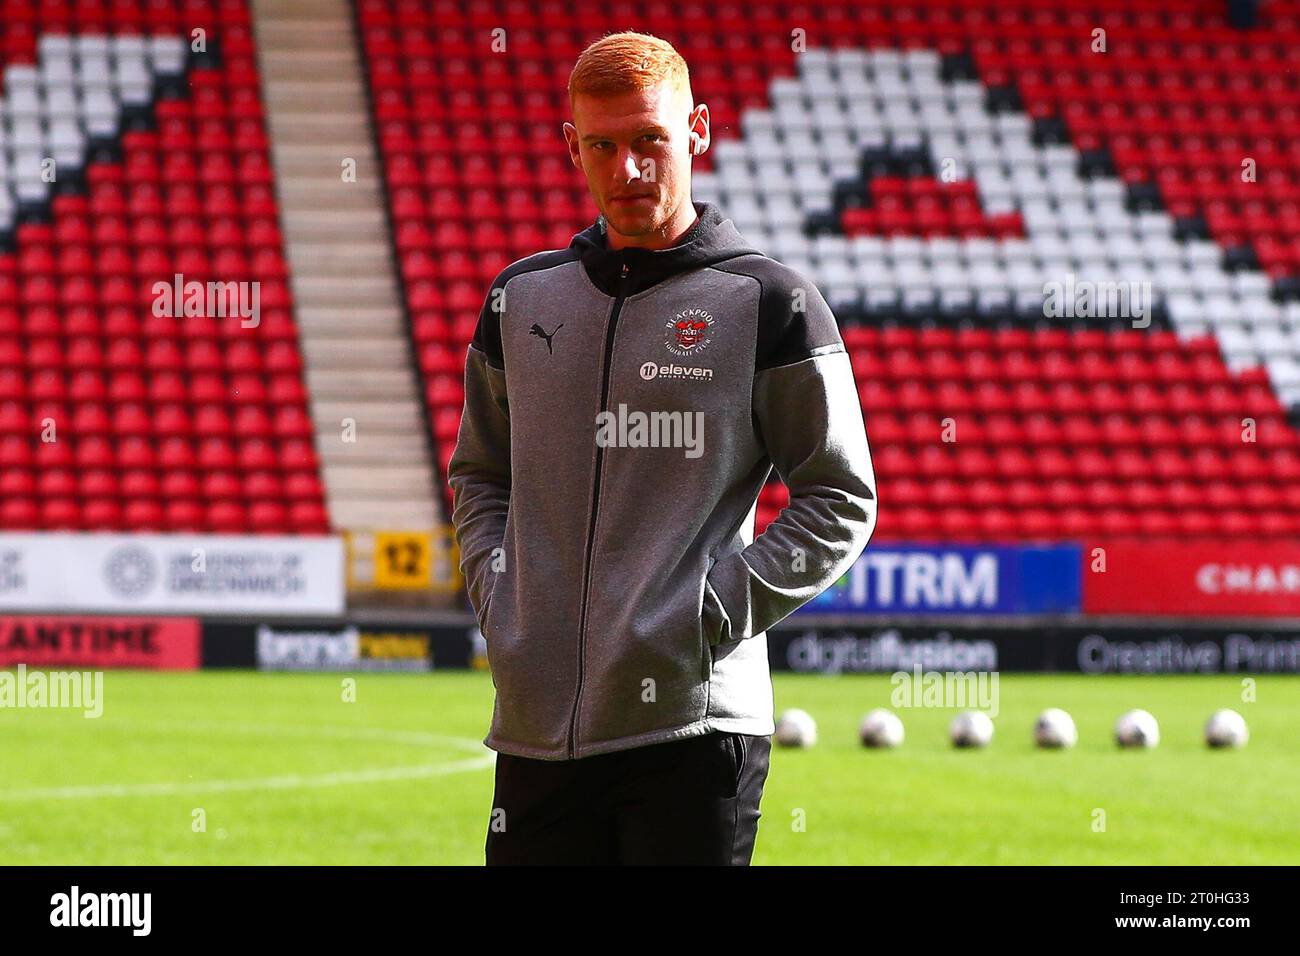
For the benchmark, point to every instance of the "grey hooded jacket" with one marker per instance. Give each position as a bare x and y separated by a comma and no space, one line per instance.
623,409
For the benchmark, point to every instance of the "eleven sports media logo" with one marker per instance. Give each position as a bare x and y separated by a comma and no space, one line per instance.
687,333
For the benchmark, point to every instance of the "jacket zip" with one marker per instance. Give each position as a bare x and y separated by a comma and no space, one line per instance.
595,504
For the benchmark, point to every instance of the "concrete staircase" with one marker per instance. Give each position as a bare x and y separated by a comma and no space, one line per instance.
365,391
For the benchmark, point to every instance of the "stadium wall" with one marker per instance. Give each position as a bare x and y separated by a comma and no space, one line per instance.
813,645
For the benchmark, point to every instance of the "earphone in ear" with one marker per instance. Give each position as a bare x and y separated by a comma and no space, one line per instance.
700,131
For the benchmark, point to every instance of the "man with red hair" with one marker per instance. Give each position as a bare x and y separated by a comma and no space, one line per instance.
626,399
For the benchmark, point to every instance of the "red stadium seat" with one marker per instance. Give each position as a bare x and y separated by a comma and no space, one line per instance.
129,391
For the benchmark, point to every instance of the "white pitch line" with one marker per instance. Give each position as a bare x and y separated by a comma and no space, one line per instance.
417,738
484,758
286,782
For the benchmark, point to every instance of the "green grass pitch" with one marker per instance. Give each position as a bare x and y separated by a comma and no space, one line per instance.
246,768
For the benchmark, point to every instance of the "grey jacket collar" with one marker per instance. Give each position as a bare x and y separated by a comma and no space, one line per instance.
713,238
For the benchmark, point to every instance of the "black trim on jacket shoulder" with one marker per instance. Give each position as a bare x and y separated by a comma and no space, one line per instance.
487,333
785,334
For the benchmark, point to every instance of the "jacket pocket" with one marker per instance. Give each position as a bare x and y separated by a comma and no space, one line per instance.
492,612
487,610
645,661
706,626
494,579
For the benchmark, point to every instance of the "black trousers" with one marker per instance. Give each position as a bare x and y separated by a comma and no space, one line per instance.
684,802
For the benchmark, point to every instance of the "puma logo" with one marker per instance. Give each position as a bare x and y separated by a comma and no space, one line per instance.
543,334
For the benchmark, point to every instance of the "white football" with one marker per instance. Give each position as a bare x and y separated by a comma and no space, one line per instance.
881,728
971,728
1137,728
1055,728
1226,728
796,728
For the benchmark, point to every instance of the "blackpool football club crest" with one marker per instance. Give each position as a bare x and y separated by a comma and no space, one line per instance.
689,332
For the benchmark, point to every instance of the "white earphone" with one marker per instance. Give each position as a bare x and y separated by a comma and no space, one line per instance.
699,143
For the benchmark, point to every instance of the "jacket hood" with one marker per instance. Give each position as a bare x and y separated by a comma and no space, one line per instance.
713,238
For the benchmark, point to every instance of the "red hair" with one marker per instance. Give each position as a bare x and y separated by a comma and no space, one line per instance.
628,62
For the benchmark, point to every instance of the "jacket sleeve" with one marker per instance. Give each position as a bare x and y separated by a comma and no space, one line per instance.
807,411
479,468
